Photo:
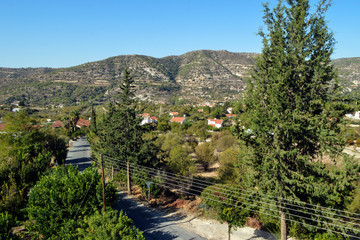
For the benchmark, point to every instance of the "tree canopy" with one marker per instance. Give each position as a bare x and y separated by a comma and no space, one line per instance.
291,115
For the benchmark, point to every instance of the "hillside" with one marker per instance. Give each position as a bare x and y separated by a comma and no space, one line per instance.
197,76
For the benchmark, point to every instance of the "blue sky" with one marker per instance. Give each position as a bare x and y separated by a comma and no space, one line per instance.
64,33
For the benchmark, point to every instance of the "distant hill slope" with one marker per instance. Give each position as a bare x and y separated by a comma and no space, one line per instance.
197,76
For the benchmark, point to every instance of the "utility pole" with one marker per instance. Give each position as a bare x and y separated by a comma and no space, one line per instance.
103,180
128,176
282,223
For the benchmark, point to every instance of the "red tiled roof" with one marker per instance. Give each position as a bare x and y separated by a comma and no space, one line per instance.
200,110
81,123
174,113
145,115
217,121
57,124
2,126
230,115
153,118
177,119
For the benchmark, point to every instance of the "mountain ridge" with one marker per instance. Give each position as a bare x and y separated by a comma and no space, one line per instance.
196,76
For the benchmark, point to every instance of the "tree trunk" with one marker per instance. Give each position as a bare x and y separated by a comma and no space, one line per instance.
229,231
128,176
283,225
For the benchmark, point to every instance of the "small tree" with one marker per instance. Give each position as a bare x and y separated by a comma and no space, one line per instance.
205,153
229,204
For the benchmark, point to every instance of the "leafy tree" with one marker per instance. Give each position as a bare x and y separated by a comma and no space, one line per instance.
109,225
179,162
228,160
205,153
230,206
62,197
217,113
292,117
25,153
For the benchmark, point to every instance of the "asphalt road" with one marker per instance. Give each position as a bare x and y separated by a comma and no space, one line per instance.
79,154
154,224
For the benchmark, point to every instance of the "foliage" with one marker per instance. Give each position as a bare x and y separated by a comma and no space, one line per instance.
228,171
179,162
109,225
63,196
25,153
120,134
205,154
7,222
354,205
291,109
228,202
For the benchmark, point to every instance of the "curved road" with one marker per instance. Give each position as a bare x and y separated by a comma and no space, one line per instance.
153,223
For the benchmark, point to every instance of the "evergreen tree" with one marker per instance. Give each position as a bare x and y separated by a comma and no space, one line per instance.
121,133
291,119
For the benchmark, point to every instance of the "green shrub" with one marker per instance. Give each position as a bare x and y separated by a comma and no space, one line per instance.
109,225
7,222
63,196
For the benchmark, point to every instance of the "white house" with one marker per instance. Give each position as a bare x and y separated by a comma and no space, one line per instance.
149,120
215,122
357,114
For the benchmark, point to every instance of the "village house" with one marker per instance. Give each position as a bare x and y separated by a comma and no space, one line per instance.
230,115
174,113
82,123
57,124
230,110
180,120
148,119
217,123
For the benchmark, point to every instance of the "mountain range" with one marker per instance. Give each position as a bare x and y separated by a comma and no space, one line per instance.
197,76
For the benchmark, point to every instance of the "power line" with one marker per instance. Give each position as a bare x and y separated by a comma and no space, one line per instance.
171,186
269,196
290,214
194,183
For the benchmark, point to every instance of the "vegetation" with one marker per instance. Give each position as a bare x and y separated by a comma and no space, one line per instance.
61,198
291,115
26,151
120,133
118,226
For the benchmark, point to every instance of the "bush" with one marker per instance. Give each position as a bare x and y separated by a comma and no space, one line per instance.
109,225
7,222
61,196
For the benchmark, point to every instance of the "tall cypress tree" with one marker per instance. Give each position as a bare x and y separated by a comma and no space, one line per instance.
290,117
121,133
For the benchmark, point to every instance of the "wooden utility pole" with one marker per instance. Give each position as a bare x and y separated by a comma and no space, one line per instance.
103,180
282,224
128,176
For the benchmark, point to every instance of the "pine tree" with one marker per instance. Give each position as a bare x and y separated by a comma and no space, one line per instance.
291,119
